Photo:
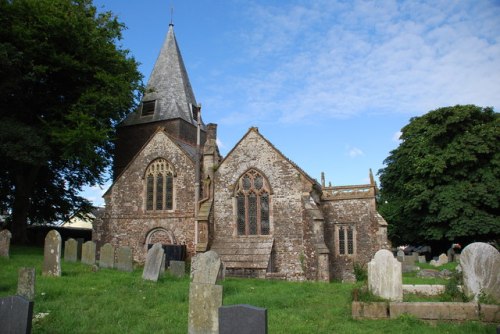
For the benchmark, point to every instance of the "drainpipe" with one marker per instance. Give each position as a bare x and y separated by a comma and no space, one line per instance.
197,172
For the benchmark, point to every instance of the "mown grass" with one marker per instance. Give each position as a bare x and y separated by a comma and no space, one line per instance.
109,301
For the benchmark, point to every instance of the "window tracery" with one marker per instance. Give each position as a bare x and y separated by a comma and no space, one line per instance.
252,204
159,185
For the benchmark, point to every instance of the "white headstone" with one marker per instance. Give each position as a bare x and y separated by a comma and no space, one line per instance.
385,277
154,260
443,259
480,264
52,254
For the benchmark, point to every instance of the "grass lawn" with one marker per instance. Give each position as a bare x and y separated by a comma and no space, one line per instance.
109,301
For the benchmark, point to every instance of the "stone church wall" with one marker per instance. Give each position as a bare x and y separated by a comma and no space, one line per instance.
127,223
286,211
361,214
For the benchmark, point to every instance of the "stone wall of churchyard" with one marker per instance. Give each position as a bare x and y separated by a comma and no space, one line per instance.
127,223
286,209
360,213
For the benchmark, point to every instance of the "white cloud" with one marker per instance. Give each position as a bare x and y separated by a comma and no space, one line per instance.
328,59
397,136
355,152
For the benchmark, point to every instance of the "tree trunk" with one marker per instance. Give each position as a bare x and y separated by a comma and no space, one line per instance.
24,185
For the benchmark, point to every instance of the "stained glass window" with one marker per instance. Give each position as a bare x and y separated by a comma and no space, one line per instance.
346,239
252,201
159,185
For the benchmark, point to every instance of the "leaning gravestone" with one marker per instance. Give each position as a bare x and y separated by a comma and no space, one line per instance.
107,256
205,297
16,313
88,253
480,264
242,319
124,259
5,236
385,277
26,283
154,259
177,268
52,254
70,250
206,268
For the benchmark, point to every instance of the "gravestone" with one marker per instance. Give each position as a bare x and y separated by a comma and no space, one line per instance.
443,259
480,264
70,250
52,254
79,248
204,303
205,297
154,259
206,268
385,277
178,268
421,259
16,313
124,259
5,237
242,319
26,283
400,255
107,256
88,253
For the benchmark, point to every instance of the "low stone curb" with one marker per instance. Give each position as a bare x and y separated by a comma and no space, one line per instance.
427,311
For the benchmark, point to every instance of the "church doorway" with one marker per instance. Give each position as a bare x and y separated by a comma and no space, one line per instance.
173,251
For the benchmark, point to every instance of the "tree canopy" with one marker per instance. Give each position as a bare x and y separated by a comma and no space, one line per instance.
64,84
443,181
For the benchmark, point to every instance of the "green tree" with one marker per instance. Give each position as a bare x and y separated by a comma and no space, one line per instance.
64,84
443,181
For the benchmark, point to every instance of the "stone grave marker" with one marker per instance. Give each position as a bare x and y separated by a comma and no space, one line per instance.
5,237
26,283
154,259
178,268
124,259
52,254
400,255
480,264
242,319
70,250
385,276
421,259
204,303
16,313
443,259
206,268
205,297
88,253
107,256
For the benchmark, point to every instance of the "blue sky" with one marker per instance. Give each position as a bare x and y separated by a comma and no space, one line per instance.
329,83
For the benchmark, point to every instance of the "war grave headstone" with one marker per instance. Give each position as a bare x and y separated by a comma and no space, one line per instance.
5,237
88,253
242,319
52,254
385,276
107,256
178,268
154,259
480,264
205,297
70,250
124,259
16,313
26,283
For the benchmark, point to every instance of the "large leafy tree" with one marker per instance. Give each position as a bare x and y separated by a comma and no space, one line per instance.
64,84
442,183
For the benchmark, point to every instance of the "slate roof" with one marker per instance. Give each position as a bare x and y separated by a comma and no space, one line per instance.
169,85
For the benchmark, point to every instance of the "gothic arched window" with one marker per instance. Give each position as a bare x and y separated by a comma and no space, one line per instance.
159,185
252,204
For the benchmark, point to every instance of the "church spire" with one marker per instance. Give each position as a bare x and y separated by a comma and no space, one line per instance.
168,93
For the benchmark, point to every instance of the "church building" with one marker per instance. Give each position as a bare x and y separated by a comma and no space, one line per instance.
263,214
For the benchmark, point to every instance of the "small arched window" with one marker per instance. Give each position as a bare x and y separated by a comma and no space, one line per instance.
159,186
252,204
